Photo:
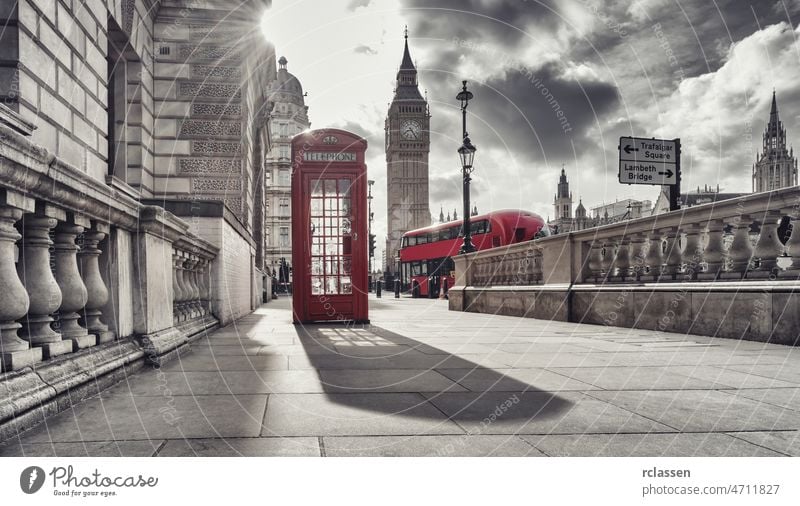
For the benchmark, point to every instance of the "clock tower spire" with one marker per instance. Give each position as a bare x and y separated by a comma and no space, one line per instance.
407,148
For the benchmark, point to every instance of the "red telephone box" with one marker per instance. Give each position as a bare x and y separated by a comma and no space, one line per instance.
329,227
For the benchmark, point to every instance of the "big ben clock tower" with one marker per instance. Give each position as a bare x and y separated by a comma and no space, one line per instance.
407,147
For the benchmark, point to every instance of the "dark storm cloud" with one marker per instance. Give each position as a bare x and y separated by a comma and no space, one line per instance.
505,21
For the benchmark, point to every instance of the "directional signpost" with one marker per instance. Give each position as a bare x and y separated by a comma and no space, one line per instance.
653,162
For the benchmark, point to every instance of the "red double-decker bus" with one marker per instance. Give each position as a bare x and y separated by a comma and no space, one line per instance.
427,252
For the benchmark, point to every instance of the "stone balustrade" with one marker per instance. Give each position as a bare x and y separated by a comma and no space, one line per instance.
83,264
729,254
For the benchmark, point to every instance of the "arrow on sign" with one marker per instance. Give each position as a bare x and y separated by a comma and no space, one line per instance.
668,173
628,149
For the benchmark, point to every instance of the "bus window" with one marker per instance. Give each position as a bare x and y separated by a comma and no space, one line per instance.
422,239
543,232
480,227
419,268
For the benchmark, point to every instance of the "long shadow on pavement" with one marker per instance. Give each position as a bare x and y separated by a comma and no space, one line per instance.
363,359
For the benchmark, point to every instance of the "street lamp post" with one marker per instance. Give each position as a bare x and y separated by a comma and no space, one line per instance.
467,154
370,182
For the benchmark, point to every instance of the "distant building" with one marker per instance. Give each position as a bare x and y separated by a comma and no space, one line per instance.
700,196
289,117
776,167
626,209
407,148
562,204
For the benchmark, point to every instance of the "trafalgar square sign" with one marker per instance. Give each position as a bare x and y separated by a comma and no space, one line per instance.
649,161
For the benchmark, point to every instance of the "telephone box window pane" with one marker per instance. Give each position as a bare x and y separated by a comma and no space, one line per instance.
346,265
331,285
345,226
316,188
316,266
347,287
330,187
344,187
344,207
316,285
316,207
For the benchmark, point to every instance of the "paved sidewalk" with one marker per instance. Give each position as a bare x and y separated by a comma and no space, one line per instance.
422,380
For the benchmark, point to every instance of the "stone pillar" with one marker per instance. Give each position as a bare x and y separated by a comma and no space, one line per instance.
673,257
714,254
608,257
740,251
14,352
191,286
768,247
177,293
97,292
202,286
793,245
622,260
655,255
73,291
45,295
693,253
637,256
595,263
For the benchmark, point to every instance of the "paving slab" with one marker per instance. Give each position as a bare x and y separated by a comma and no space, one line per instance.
242,447
429,446
126,417
14,448
647,445
387,380
703,410
539,413
786,442
514,380
634,378
354,414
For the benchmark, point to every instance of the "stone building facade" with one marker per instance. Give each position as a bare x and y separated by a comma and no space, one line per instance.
132,140
776,166
289,117
407,149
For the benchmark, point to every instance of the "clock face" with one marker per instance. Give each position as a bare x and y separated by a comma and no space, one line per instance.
410,129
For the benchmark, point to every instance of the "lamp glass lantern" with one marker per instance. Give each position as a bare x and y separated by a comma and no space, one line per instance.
467,153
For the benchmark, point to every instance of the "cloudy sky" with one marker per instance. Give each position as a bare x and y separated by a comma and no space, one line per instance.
700,70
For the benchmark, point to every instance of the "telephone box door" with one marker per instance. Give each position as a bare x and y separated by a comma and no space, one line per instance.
330,230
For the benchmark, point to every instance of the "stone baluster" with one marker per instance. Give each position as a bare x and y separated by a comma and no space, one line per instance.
768,247
193,294
793,245
45,295
186,310
96,289
73,291
622,260
673,257
15,353
595,263
714,253
637,256
609,252
740,251
655,255
693,252
177,292
537,266
202,282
